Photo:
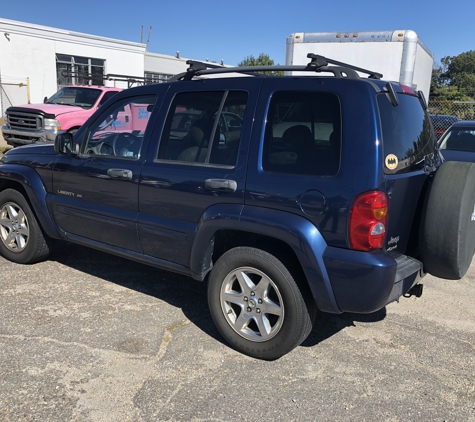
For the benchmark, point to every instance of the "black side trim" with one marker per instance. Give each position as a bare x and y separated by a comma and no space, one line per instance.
134,256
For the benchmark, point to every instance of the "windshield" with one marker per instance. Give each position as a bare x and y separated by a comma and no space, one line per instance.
75,96
459,139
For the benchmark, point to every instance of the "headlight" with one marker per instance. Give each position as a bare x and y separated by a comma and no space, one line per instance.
52,124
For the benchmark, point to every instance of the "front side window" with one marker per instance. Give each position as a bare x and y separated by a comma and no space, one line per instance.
120,129
204,127
106,96
303,134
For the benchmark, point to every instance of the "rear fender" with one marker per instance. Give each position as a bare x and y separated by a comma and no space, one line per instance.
297,232
35,190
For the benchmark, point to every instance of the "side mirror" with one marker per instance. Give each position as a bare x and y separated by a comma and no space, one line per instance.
63,144
45,99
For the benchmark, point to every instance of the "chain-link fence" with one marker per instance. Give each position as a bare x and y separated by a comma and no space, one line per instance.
445,113
13,91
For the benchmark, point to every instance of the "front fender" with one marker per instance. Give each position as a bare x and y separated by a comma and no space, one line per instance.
297,232
35,190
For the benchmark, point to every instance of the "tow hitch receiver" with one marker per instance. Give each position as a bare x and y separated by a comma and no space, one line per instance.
415,290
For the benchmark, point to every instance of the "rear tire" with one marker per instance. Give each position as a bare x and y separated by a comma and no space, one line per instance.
21,237
447,236
257,305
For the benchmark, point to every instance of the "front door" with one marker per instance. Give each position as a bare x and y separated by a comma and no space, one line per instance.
96,191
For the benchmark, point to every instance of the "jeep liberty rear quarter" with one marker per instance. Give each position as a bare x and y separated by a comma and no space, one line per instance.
289,196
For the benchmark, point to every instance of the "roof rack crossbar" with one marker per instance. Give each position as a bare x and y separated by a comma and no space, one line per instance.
320,61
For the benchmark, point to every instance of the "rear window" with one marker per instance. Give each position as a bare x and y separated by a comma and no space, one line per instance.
407,134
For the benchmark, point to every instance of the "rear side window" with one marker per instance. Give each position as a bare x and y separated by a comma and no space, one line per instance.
408,136
204,127
303,134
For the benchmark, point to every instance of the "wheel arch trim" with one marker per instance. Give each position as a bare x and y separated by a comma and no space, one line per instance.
36,193
297,232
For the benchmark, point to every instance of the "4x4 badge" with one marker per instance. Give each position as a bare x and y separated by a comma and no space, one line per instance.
391,161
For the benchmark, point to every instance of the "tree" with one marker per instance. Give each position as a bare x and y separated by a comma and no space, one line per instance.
461,70
454,78
262,60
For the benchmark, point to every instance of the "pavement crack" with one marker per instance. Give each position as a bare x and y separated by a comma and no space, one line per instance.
167,338
21,337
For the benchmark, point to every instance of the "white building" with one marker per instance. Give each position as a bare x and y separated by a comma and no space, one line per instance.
35,61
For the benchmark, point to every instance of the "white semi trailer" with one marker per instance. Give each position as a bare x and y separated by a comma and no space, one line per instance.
399,55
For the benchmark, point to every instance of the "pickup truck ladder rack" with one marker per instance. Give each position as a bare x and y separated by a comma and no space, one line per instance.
131,80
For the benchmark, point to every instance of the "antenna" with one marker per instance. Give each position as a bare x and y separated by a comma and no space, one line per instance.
148,39
141,35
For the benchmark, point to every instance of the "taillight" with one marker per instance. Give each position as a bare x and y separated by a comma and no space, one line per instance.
407,89
368,217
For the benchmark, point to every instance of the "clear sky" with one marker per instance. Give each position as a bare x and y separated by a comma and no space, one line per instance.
234,30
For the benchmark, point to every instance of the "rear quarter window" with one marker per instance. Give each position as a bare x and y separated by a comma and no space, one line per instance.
408,135
303,134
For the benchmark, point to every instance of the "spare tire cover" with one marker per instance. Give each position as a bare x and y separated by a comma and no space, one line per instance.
447,232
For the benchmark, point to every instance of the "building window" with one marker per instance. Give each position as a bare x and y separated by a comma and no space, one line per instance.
79,70
156,78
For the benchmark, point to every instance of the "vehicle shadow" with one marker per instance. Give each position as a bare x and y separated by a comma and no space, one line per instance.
180,291
326,325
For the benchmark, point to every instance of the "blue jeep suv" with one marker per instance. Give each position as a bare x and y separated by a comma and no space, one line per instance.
324,193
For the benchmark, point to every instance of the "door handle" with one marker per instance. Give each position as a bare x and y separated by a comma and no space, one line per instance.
120,174
224,185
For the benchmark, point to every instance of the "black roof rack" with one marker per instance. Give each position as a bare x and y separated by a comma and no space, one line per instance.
317,64
197,68
320,61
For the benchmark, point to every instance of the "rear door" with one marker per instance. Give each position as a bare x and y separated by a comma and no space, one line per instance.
195,165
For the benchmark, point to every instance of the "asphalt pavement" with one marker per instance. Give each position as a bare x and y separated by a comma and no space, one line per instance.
86,336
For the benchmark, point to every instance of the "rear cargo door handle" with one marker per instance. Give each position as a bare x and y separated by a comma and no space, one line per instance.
224,185
120,174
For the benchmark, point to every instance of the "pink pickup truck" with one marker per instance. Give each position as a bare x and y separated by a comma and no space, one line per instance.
65,111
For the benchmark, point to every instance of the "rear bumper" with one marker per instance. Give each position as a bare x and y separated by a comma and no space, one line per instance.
24,137
364,282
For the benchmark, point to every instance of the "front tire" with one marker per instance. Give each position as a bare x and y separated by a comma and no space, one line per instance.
257,305
21,238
